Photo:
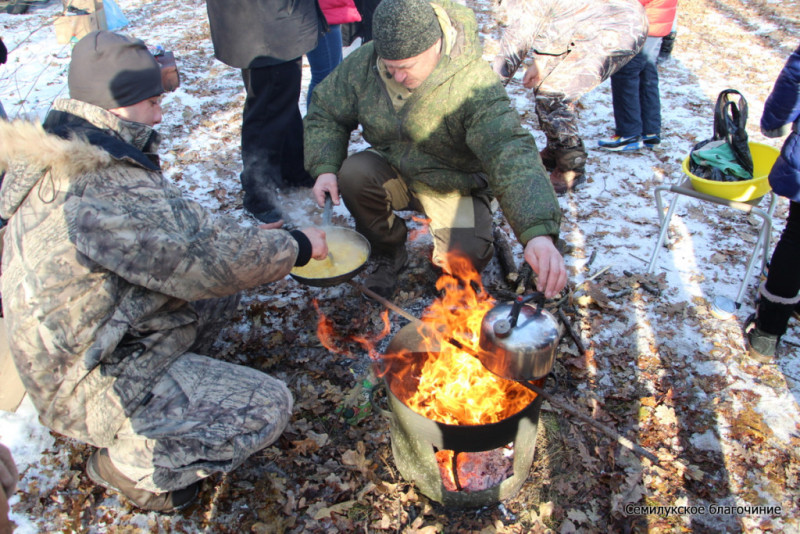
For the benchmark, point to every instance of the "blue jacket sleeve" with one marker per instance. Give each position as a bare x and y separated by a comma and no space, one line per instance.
782,107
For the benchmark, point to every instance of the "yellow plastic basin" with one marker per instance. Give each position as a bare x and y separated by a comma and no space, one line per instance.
764,157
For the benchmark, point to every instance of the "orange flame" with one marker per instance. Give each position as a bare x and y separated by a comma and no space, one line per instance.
453,386
417,232
334,343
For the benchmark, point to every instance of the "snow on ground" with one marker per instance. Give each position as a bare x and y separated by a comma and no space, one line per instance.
612,220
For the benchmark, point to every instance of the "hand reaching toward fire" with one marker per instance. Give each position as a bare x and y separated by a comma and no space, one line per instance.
547,263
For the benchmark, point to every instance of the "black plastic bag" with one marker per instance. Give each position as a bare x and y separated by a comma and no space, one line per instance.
730,122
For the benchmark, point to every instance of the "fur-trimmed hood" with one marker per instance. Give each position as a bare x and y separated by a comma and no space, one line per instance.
76,138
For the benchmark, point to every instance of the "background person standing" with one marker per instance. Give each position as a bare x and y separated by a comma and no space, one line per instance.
328,53
634,87
575,45
779,296
267,40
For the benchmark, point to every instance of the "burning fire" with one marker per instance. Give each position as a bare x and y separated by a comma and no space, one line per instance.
453,386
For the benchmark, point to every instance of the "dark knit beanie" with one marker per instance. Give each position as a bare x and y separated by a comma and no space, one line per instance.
111,70
404,28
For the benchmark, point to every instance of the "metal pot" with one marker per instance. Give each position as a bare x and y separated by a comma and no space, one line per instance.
338,237
518,341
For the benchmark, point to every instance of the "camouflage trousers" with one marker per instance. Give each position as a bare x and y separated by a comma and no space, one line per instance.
373,190
203,416
568,77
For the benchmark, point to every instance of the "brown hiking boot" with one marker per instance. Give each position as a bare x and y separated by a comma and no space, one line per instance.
566,181
384,270
569,169
548,156
103,473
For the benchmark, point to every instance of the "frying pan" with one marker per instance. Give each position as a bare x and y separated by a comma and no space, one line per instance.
337,237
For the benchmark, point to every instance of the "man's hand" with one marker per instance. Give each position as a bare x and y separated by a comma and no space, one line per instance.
532,77
319,246
547,263
326,183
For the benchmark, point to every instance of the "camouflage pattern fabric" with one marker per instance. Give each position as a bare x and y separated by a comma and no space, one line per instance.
372,190
106,272
204,416
458,123
576,45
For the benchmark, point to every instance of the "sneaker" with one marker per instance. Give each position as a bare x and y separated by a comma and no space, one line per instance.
761,345
103,473
384,270
651,139
621,144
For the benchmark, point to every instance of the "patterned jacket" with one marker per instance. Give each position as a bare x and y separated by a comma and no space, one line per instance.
782,116
458,123
102,259
606,28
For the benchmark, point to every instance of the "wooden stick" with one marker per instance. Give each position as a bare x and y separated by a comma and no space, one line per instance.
525,281
579,287
505,257
622,440
574,335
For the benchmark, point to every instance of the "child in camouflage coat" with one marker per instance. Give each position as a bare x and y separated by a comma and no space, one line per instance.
114,285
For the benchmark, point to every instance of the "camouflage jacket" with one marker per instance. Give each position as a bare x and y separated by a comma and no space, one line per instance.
554,27
102,259
458,123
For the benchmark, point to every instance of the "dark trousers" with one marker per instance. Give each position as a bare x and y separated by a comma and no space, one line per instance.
272,134
635,94
783,281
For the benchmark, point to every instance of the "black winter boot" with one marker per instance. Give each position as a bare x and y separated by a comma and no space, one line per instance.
765,328
667,43
761,346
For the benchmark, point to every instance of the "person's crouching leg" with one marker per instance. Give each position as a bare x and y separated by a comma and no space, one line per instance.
205,416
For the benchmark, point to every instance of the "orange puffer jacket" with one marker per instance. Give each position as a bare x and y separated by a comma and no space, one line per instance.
661,14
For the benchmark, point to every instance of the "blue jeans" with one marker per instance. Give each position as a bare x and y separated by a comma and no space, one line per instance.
634,93
325,57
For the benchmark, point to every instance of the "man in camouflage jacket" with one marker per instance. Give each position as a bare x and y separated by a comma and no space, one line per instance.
444,140
575,45
114,284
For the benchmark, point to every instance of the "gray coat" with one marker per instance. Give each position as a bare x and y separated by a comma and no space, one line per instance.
249,34
103,257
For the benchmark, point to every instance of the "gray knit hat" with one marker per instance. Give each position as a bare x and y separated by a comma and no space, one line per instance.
404,28
111,70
